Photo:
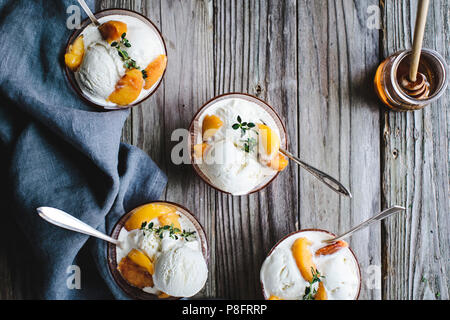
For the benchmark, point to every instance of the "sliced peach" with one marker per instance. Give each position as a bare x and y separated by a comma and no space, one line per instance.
155,71
128,88
269,141
303,258
332,248
134,274
112,30
275,298
305,264
321,293
163,295
199,150
75,53
169,219
142,260
278,163
210,126
147,213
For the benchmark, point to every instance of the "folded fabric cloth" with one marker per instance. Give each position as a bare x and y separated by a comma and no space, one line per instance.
59,152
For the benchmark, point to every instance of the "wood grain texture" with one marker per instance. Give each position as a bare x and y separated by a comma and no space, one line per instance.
415,171
252,55
188,32
339,123
314,62
289,54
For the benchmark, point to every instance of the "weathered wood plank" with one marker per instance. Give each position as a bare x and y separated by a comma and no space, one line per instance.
260,47
339,122
313,62
254,54
188,84
187,30
415,171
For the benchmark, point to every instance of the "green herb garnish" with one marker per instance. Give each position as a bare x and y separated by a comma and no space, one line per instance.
244,126
311,292
174,233
129,63
250,144
186,234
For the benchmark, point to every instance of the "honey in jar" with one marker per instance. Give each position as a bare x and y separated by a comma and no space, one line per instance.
398,93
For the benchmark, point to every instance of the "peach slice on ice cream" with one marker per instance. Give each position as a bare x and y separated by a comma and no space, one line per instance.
278,163
211,124
332,248
128,88
163,295
199,150
75,53
155,70
170,219
135,274
304,260
112,30
147,213
142,260
269,142
321,293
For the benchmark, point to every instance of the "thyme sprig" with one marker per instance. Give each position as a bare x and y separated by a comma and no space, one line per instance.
311,292
129,63
174,233
249,144
244,126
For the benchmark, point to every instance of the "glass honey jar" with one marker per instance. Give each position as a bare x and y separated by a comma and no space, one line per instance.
392,70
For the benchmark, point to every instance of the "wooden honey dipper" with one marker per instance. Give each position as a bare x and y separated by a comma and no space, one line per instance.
415,84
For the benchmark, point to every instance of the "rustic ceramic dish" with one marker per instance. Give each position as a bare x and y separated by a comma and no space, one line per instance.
316,230
70,74
195,133
131,291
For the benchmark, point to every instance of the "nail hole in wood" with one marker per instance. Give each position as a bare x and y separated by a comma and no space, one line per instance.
395,153
258,89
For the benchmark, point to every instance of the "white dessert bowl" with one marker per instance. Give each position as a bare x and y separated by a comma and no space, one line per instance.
223,168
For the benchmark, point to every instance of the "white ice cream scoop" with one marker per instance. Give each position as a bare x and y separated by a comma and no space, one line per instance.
100,71
180,272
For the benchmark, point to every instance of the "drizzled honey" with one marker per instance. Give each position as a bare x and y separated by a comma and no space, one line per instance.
420,88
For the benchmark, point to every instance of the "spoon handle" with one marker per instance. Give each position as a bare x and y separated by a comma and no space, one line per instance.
89,12
66,221
382,215
332,183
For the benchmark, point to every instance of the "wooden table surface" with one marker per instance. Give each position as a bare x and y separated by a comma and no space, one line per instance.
314,62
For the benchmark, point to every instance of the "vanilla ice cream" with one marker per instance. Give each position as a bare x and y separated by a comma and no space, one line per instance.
226,162
99,72
180,268
281,277
102,67
180,272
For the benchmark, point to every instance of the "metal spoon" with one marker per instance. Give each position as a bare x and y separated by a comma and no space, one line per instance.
64,220
383,215
332,183
89,12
